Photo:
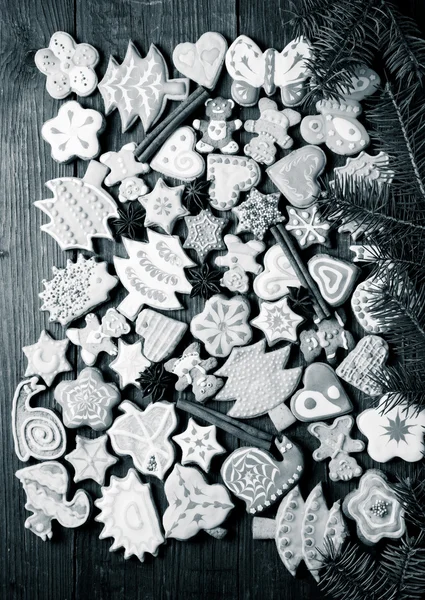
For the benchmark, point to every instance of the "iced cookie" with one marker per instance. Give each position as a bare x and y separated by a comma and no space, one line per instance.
69,67
241,254
307,226
362,301
131,189
375,509
296,175
76,289
140,87
47,358
192,371
278,275
335,277
336,443
229,176
129,516
153,273
198,445
177,158
364,365
74,132
364,252
193,503
252,70
257,478
160,334
222,325
46,486
163,206
37,432
277,321
322,396
393,432
235,280
365,168
271,128
201,62
217,131
91,459
144,435
129,363
204,233
257,213
87,400
123,165
328,336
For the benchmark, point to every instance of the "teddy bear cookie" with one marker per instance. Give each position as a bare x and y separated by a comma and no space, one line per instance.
218,129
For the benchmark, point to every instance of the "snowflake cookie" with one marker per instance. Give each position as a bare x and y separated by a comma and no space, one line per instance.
91,459
204,233
129,363
277,321
307,226
198,444
163,206
257,213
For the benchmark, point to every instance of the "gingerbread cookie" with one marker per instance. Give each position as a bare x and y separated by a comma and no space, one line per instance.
257,213
140,87
177,158
46,486
193,503
69,67
365,364
204,233
375,509
87,400
144,435
329,335
322,396
160,334
230,175
76,289
364,252
131,189
153,273
241,254
163,206
296,175
365,168
129,516
201,62
336,443
252,69
394,432
335,277
235,280
222,325
74,132
277,321
129,363
47,358
123,165
199,445
278,275
363,299
307,226
271,128
217,131
257,478
91,459
37,432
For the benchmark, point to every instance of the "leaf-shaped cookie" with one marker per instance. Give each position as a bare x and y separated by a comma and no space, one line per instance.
193,503
143,435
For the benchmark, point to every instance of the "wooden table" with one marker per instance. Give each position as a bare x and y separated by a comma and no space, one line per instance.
76,564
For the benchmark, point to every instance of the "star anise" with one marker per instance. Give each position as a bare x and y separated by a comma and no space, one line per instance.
196,194
155,381
300,301
205,281
129,224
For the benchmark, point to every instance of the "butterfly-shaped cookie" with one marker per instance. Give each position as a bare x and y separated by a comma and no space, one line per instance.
252,69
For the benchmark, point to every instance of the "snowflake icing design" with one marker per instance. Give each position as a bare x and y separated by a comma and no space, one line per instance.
307,227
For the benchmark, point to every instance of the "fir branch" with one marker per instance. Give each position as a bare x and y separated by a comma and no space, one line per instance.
402,384
411,495
308,16
402,564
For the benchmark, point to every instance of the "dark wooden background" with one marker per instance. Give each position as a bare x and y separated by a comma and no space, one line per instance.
76,564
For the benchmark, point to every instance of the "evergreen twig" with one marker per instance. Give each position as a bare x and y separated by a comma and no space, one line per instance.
411,494
402,564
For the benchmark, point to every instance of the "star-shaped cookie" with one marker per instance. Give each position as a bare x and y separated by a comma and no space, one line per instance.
129,363
47,358
123,164
199,444
204,233
257,213
277,321
91,459
163,206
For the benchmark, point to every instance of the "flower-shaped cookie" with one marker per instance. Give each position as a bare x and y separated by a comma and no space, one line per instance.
375,508
73,132
235,280
69,67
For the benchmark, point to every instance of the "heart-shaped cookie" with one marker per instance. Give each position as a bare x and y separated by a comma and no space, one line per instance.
201,62
296,175
322,396
335,278
177,158
277,277
230,175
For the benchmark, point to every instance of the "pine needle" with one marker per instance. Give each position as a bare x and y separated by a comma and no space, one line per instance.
411,494
402,564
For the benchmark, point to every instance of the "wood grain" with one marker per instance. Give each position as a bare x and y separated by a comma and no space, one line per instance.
76,565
